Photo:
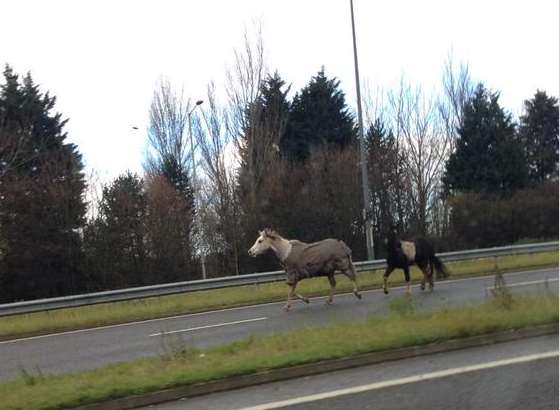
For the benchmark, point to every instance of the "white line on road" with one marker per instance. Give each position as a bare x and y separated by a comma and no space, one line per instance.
406,380
532,282
209,326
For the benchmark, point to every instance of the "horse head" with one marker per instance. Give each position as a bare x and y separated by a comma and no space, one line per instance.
263,242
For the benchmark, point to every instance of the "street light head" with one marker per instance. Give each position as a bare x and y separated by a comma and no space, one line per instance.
199,102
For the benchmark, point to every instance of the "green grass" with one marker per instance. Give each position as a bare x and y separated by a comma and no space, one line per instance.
121,312
404,327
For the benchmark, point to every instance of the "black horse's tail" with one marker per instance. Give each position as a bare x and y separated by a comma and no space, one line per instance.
442,271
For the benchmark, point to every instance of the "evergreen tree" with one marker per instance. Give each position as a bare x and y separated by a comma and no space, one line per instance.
267,119
167,230
383,156
114,242
266,122
42,189
489,158
177,176
319,116
539,131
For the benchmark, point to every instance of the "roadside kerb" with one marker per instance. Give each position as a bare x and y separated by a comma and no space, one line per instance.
325,366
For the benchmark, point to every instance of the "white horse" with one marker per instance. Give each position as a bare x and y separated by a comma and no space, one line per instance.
305,260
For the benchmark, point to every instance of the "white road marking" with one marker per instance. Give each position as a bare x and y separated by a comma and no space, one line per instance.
406,380
139,322
532,282
236,322
209,312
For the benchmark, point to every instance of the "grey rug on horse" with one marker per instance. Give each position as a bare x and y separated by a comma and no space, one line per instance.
321,258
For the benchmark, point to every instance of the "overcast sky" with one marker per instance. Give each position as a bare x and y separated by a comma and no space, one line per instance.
102,59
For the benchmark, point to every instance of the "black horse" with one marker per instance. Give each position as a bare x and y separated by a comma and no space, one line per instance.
402,254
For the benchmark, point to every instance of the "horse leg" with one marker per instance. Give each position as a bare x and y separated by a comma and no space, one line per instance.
355,289
290,293
424,270
332,281
303,298
387,273
350,273
430,276
407,276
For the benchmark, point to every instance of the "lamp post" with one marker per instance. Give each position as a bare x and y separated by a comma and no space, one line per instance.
199,102
367,208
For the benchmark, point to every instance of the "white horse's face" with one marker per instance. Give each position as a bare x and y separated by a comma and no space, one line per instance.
262,244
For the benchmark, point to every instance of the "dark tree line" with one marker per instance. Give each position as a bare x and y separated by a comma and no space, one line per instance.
489,156
503,176
460,170
41,203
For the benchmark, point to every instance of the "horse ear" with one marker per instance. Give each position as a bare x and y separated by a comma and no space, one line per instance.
262,233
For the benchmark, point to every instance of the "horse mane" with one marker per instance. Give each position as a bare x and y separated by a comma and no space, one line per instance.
271,233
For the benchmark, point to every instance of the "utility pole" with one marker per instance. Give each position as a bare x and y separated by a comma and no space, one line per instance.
194,181
367,206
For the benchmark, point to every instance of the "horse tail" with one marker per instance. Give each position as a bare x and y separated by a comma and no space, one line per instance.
347,251
442,270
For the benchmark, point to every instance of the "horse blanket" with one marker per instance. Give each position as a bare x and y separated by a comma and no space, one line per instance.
322,258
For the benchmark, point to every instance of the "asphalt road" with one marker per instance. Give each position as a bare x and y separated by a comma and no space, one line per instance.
91,348
520,375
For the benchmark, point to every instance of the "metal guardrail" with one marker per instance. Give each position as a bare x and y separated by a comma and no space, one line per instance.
232,281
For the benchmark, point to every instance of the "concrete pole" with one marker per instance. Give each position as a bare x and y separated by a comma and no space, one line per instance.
367,206
194,180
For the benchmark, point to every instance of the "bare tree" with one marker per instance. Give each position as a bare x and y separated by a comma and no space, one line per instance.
167,139
400,193
426,145
374,103
218,202
213,140
93,193
243,82
458,88
388,173
244,87
169,156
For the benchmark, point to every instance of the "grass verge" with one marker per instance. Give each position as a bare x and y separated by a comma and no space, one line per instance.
122,312
404,327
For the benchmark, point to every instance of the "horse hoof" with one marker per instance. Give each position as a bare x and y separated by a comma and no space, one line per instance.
422,286
385,291
286,308
307,301
328,302
358,295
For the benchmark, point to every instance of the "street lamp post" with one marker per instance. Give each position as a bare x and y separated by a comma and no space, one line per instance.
367,208
199,102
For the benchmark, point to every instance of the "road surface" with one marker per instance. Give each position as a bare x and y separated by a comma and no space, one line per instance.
91,348
520,375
